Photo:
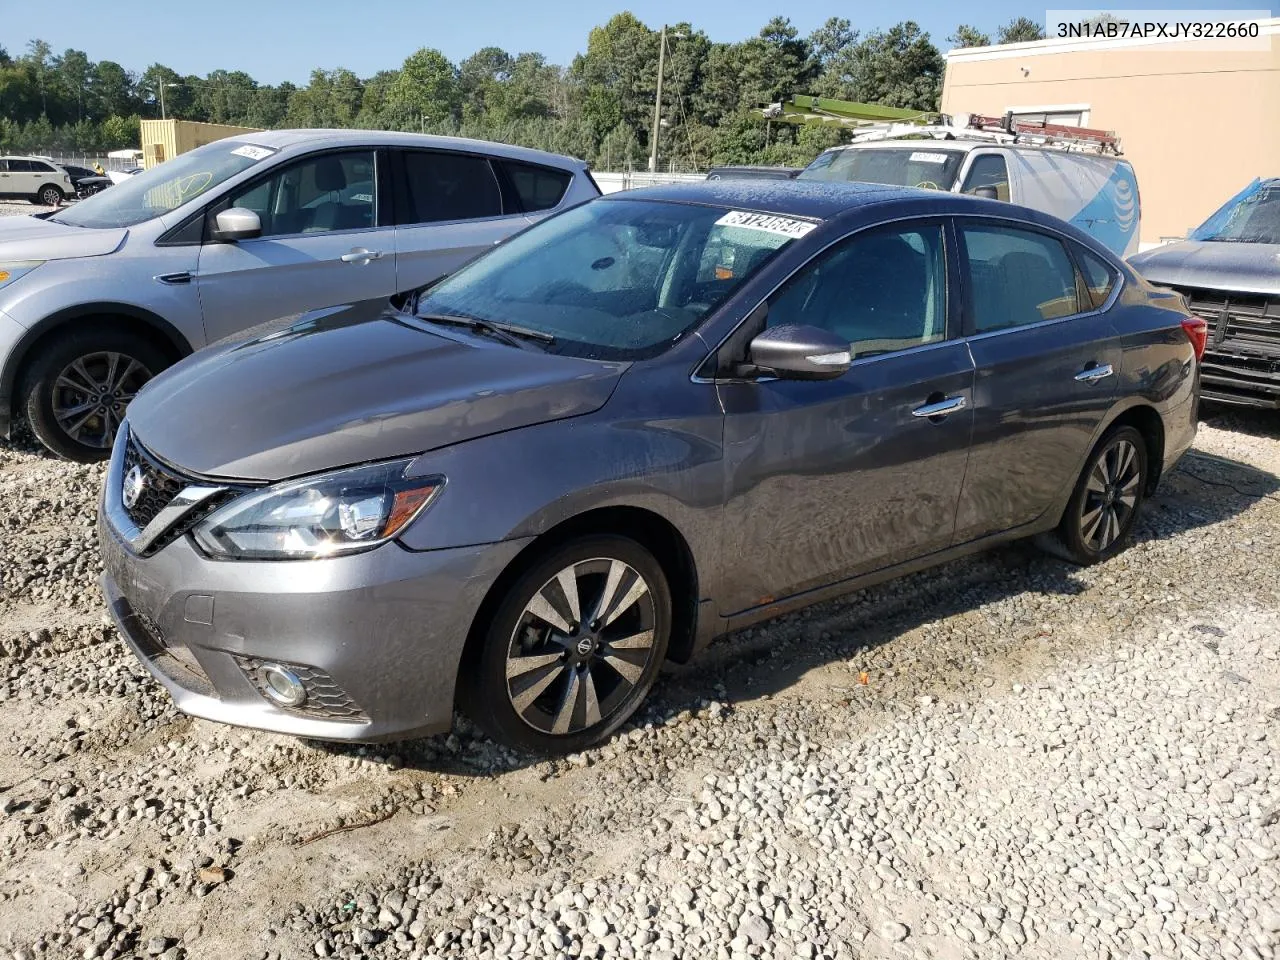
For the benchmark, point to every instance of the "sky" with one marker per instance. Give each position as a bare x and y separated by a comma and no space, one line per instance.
278,40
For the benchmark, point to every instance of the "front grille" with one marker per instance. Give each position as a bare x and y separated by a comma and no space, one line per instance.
325,699
160,485
1237,319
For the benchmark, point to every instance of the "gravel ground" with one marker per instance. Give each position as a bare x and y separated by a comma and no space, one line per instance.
1004,756
17,208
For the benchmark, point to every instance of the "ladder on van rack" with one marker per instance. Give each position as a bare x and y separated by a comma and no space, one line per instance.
1048,134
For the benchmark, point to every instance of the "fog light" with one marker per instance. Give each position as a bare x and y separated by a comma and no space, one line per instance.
282,686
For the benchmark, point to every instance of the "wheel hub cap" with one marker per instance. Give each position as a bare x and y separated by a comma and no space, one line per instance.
1111,495
91,393
582,644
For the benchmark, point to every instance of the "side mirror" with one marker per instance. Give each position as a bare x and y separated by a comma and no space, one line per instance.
800,353
236,223
987,193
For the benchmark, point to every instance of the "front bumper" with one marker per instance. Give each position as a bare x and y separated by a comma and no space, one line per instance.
1249,379
377,637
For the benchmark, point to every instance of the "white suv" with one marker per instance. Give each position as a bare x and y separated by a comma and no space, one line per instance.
35,179
98,297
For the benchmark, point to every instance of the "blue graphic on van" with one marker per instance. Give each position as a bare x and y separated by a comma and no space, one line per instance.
1112,216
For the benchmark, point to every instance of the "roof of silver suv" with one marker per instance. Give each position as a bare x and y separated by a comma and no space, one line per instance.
292,138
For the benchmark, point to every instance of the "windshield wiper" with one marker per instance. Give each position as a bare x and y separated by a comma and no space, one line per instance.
506,332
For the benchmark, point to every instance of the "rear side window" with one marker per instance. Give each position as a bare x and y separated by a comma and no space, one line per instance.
40,167
987,170
1099,276
448,186
1017,277
21,166
539,188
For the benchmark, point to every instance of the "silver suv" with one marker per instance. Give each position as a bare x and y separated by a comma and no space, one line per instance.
97,298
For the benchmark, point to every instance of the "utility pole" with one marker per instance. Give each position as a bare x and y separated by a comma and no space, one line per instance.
162,86
657,102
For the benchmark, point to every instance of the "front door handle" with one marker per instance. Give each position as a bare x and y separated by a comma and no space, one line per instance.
942,408
1095,373
361,255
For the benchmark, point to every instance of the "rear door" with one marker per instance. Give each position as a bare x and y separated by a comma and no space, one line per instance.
325,241
831,479
450,207
1047,361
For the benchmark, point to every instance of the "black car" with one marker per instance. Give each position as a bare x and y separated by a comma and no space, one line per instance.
753,173
86,181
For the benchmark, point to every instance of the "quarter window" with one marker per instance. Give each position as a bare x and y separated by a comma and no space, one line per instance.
449,186
334,191
1099,276
1017,277
882,290
987,170
539,188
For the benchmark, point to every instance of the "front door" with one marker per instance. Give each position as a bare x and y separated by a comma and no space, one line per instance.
832,479
1048,364
321,245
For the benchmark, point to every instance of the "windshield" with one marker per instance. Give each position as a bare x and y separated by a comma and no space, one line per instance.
915,166
1251,216
615,279
164,187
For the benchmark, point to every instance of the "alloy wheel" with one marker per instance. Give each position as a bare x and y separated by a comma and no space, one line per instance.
1111,495
51,196
581,645
91,393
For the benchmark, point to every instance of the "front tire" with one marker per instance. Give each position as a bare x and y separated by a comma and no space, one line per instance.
572,648
1104,506
75,391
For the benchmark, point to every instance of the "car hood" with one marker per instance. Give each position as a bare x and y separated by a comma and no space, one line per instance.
349,386
1213,265
32,238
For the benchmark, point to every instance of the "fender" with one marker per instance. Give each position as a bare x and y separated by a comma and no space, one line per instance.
17,357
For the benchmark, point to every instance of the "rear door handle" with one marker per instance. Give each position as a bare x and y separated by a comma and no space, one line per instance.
360,255
1095,373
942,408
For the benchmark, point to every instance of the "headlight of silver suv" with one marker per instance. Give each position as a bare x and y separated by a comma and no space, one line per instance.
323,516
14,269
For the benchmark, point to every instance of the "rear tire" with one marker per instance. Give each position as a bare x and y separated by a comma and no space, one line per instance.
76,389
1104,506
49,195
572,648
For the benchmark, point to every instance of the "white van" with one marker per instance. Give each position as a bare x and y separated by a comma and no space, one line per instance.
1095,192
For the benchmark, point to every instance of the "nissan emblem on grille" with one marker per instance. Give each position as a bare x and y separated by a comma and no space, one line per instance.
135,482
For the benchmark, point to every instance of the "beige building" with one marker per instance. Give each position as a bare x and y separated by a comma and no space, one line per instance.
1197,124
163,139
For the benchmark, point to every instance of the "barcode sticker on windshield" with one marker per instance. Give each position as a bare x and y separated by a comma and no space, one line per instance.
767,222
921,156
252,152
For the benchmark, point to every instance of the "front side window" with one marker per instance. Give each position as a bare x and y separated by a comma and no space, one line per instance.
987,170
449,186
882,290
921,165
615,279
166,186
333,191
539,188
1017,277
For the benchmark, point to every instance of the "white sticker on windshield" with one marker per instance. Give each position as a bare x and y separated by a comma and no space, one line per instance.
252,152
767,222
921,156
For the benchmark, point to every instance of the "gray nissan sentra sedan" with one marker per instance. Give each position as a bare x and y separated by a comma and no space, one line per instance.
654,418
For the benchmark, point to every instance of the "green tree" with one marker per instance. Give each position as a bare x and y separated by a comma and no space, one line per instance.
1019,30
73,70
899,67
112,89
424,92
967,36
38,62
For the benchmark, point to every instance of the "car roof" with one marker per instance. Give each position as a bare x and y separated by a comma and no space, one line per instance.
812,199
283,139
964,146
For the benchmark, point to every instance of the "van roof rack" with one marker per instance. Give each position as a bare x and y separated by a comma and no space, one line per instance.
1005,130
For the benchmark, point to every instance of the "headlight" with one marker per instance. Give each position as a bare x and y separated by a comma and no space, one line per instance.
14,269
323,516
